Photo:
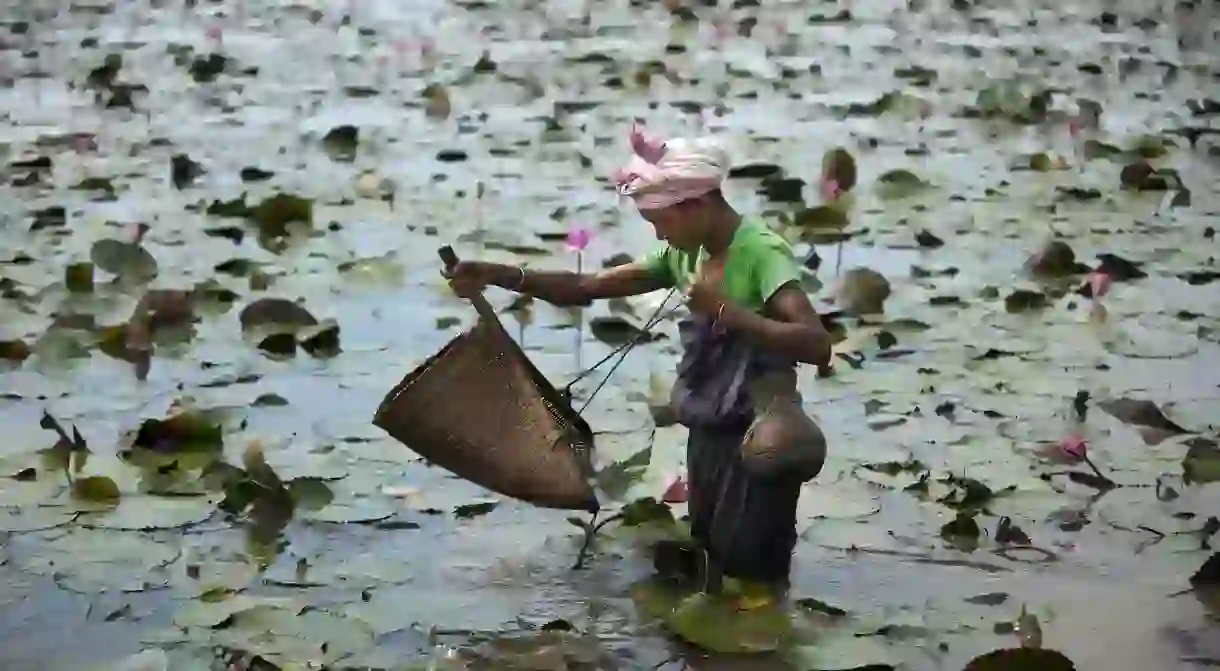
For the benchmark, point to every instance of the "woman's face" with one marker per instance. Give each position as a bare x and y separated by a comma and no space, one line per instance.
681,225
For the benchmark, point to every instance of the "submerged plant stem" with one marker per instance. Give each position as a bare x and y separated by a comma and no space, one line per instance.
590,531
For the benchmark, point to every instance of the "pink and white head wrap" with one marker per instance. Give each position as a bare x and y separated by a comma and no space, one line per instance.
663,173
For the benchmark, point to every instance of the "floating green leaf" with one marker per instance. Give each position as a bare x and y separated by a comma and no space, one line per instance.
96,489
1201,465
716,623
900,184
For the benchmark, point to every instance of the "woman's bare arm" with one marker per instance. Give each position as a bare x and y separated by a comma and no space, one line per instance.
569,289
789,325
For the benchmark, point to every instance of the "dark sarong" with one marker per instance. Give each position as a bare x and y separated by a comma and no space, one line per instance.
747,525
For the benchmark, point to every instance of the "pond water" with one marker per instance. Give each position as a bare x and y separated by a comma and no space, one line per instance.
491,126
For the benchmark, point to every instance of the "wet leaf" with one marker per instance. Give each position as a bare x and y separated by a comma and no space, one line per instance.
1208,575
900,184
146,513
96,489
862,291
217,611
14,351
1008,533
617,478
927,240
1043,162
1201,465
472,510
715,623
1024,300
816,606
1205,584
962,532
69,453
33,518
1056,259
1028,629
254,461
845,652
274,316
320,340
310,493
207,68
341,143
1140,413
186,430
78,278
128,260
1143,177
821,221
274,214
183,171
988,599
646,510
89,561
436,102
617,330
269,401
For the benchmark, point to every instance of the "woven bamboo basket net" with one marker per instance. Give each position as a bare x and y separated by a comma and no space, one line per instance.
480,409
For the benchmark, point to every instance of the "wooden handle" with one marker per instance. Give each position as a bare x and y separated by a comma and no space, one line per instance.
448,256
450,259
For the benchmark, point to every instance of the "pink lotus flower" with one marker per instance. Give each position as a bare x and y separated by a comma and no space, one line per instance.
1099,283
676,492
1074,447
831,191
579,238
216,36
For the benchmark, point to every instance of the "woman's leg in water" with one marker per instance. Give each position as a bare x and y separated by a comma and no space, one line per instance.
747,525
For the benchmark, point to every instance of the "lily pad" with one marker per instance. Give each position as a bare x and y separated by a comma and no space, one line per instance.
282,635
96,489
357,511
88,560
1201,465
845,652
128,260
33,518
846,499
900,183
715,623
270,316
145,513
1140,342
208,612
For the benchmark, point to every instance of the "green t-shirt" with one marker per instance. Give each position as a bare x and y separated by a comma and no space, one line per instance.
759,263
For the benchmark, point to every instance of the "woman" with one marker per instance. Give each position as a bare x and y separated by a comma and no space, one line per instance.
748,318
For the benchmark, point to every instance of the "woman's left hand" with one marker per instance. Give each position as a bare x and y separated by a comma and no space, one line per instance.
706,296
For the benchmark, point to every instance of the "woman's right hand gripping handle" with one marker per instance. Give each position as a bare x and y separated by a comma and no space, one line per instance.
466,278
